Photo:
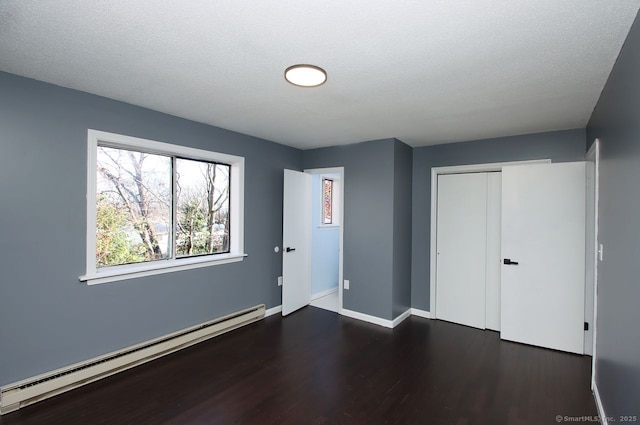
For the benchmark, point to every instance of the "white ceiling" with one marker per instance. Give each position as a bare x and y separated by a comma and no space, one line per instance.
424,71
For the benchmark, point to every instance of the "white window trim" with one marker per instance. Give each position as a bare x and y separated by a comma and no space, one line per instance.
95,275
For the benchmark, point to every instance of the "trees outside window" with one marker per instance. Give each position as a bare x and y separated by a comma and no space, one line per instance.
202,191
152,207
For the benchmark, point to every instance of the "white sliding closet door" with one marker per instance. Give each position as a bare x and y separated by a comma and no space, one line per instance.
461,248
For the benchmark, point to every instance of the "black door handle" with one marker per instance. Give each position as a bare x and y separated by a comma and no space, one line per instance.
508,262
290,249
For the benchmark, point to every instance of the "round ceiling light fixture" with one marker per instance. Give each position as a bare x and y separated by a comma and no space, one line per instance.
305,75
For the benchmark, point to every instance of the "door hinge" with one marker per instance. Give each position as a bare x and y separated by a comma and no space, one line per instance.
586,326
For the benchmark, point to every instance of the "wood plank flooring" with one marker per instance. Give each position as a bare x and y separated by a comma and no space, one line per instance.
315,367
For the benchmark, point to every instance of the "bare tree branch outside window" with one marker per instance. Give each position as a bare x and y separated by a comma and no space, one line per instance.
203,207
135,202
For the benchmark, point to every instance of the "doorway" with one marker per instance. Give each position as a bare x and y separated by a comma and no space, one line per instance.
326,237
325,240
313,264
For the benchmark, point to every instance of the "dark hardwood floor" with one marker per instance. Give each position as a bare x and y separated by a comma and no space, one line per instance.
315,367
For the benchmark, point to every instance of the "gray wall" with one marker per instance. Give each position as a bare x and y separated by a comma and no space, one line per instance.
402,171
49,319
616,122
559,146
368,221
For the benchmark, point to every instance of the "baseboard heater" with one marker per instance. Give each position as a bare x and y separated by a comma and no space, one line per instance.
29,391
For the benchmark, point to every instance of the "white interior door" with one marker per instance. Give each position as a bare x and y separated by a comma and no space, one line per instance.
296,241
543,236
461,248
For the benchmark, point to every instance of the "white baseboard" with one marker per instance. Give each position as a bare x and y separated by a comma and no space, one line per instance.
599,406
361,316
273,310
400,318
323,293
376,320
421,313
367,318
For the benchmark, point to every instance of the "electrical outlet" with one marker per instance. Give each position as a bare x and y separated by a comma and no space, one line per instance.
346,284
279,280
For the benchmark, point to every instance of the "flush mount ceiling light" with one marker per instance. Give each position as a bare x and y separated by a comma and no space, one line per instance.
305,75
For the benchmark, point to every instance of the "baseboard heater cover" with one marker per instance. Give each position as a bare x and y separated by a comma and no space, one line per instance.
29,391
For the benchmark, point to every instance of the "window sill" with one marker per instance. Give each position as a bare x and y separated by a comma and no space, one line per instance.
328,226
113,274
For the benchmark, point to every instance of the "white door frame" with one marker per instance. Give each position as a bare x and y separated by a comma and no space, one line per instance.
456,169
340,171
594,155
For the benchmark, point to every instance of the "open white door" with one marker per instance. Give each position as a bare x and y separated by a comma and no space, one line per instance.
296,241
543,245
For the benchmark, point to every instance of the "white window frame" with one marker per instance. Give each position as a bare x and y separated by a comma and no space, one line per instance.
95,275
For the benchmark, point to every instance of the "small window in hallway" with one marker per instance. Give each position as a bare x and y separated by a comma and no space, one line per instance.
327,201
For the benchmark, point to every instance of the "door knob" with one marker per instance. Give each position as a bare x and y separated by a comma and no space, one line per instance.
508,262
290,249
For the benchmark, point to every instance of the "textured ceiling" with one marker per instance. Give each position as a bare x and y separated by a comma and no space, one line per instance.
424,71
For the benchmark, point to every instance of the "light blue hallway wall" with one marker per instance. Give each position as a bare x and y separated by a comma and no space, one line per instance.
325,246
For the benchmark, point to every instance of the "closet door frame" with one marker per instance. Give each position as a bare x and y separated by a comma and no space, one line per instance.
456,169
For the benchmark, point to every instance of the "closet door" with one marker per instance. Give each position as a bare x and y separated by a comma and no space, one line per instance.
543,272
461,248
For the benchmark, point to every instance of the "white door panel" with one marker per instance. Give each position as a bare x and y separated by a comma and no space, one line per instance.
296,245
543,230
461,248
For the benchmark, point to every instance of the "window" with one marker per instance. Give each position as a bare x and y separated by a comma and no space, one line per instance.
202,198
154,207
327,201
330,200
